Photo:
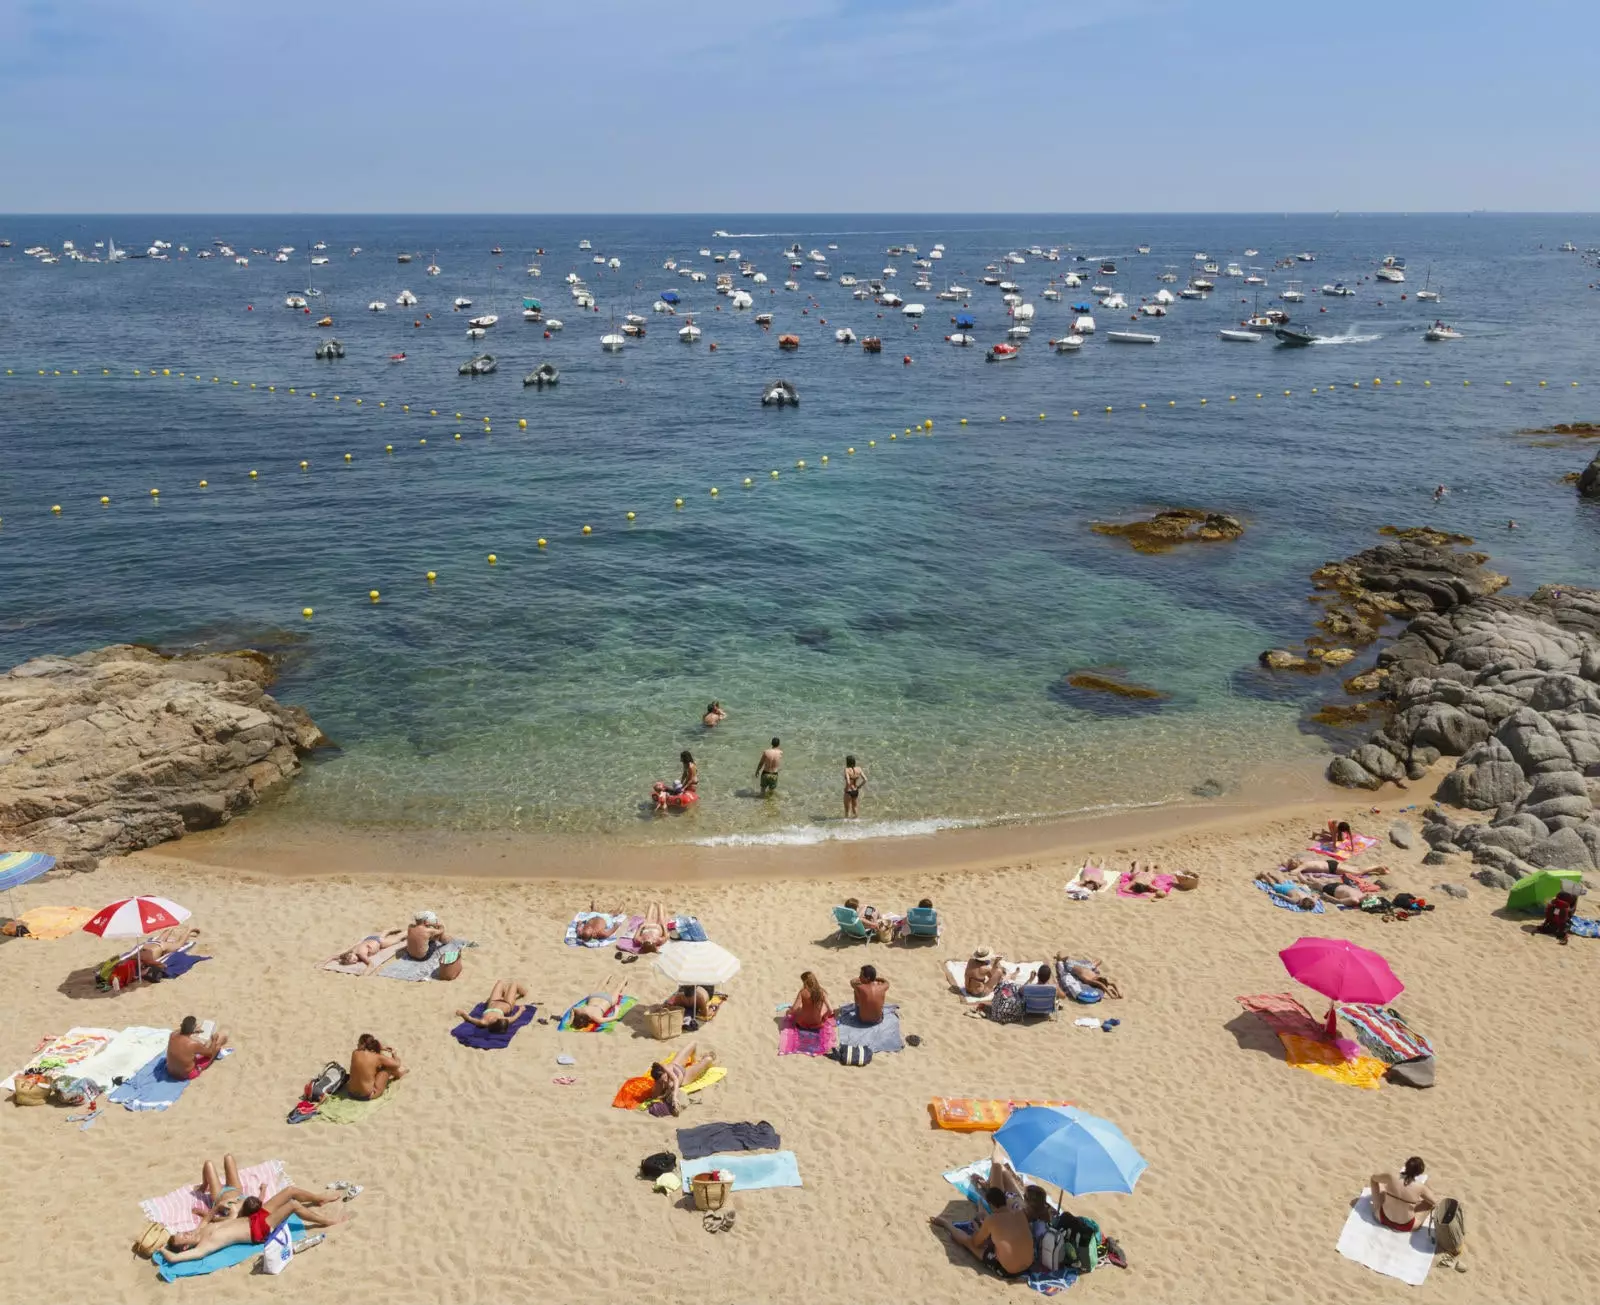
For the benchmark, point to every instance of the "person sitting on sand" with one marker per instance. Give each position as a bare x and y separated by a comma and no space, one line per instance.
187,1053
1142,879
155,952
869,991
983,973
1003,1240
1558,913
655,931
373,1067
671,1079
595,1009
1089,973
506,1001
714,716
1398,1200
424,936
811,1007
258,1216
368,948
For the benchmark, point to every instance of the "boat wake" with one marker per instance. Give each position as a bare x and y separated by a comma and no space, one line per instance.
1349,337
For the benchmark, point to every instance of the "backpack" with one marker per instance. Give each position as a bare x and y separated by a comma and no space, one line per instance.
653,1166
1007,1006
1070,1243
1448,1224
856,1055
329,1081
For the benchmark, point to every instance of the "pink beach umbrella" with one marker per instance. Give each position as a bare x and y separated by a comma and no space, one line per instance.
134,917
1341,971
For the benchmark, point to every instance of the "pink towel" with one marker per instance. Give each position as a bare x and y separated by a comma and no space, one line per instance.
1362,843
1163,882
182,1210
795,1041
1283,1014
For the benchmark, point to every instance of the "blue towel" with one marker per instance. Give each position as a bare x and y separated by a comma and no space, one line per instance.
878,1038
690,929
226,1258
775,1169
1287,905
471,1035
179,965
1043,1281
1585,928
152,1088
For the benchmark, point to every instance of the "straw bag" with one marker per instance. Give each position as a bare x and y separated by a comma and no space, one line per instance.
709,1191
151,1240
32,1090
666,1022
1186,881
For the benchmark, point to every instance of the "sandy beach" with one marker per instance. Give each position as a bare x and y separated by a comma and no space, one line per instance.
488,1180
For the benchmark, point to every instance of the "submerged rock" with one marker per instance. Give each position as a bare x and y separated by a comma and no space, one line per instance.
1094,682
123,748
1173,526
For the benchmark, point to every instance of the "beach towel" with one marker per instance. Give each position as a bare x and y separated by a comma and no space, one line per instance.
362,968
407,970
470,1035
689,929
750,1172
1278,899
1282,1014
796,1041
1323,1058
1163,882
128,1051
1385,1033
152,1088
1015,972
878,1038
180,963
1079,891
47,923
63,1051
708,1139
226,1258
1363,842
572,939
1582,928
1366,882
180,1210
975,1115
633,1093
342,1109
1407,1256
623,1007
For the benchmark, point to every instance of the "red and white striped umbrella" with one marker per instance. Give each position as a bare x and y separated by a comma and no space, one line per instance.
133,917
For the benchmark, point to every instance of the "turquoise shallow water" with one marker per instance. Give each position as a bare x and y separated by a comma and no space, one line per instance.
917,602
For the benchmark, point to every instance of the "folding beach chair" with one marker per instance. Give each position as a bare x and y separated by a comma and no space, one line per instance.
850,925
1039,999
922,922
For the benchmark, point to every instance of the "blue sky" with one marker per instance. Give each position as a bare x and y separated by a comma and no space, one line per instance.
805,105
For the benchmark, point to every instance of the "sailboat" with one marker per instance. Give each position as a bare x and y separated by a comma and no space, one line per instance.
1426,294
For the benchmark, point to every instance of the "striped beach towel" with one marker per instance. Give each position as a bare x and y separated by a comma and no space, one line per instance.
1385,1033
182,1209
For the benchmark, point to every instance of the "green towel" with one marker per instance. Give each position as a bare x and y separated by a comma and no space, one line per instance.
341,1109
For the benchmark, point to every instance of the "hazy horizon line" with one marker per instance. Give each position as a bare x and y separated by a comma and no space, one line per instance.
802,213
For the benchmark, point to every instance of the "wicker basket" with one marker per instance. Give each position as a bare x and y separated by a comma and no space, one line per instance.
666,1022
710,1192
1186,881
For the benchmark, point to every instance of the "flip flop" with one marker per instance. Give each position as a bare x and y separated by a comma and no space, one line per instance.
566,1060
563,1080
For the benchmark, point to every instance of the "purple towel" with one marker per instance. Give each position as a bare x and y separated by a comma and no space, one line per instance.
470,1035
179,965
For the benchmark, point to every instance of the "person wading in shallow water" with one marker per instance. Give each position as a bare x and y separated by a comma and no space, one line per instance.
855,779
767,769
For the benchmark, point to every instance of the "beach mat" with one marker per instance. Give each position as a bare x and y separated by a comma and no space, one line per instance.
623,1007
1277,900
63,1051
1322,1058
707,1139
571,937
634,1091
977,1114
408,970
751,1172
689,929
152,1088
177,1209
342,1109
1015,971
129,1050
226,1258
1162,882
1407,1256
1282,1014
796,1041
1363,843
470,1035
879,1038
1385,1033
48,923
360,970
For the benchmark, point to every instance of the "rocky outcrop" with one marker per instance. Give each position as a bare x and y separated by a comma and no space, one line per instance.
1589,479
123,747
1173,526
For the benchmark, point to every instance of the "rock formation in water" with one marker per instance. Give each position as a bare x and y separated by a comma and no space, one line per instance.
1173,526
123,747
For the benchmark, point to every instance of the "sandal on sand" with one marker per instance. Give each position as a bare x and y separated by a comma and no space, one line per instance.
718,1221
564,1080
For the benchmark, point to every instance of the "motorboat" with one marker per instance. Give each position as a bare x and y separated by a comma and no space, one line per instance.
462,302
1163,296
689,333
1024,312
634,319
661,306
1293,294
1252,253
554,324
484,322
844,335
1294,337
612,342
584,244
1009,287
1190,292
1019,331
405,299
1003,352
1153,310
294,301
789,343
913,310
634,330
1567,247
614,263
1241,337
890,300
1143,249
760,278
1210,269
1338,290
847,280
599,260
325,321
1051,293
1439,331
1083,324
950,296
377,306
1391,269
330,349
476,333
961,291
1132,337
434,269
1233,269
962,339
402,258
1067,344
871,344
1255,277
780,394
1305,258
822,274
1011,300
740,299
1114,301
1202,284
1100,289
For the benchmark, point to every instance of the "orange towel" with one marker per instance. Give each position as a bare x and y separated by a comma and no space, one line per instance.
633,1094
1321,1057
974,1115
48,923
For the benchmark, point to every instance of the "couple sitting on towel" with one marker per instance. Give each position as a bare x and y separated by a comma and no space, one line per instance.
233,1218
648,937
1007,1238
422,937
811,1008
985,974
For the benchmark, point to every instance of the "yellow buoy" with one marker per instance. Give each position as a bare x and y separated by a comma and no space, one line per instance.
236,382
1172,403
458,416
432,577
630,515
493,559
304,465
850,450
1508,382
1377,380
1232,397
1204,400
824,457
1141,405
522,423
1541,384
1041,416
908,430
458,434
1286,393
677,502
871,444
167,371
382,403
252,385
372,594
252,475
963,421
56,509
272,389
423,440
713,491
588,530
347,457
896,437
1313,390
306,612
104,499
405,407
801,464
774,473
1258,393
433,412
1466,382
291,388
388,448
1396,381
1002,417
336,396
928,424
748,482
1430,382
542,541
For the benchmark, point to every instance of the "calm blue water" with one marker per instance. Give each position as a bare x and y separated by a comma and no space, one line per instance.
916,603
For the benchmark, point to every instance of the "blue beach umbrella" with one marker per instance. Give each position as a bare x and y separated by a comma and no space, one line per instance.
17,868
1070,1148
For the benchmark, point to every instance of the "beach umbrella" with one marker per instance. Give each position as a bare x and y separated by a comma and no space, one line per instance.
1341,971
17,868
1532,891
134,917
1071,1149
701,964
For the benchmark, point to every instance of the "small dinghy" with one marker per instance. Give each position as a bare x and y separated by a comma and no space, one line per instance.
1067,344
1294,337
780,394
1002,352
1132,337
871,344
330,349
482,365
544,374
1241,337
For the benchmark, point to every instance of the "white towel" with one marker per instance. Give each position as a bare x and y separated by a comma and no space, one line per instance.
128,1053
1407,1256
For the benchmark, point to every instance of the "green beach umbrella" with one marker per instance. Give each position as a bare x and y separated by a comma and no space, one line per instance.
1531,892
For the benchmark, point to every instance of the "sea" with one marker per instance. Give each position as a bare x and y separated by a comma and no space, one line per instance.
510,606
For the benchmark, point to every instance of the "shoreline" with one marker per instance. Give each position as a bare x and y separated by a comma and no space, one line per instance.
286,848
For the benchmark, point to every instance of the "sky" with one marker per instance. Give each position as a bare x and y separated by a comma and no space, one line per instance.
752,106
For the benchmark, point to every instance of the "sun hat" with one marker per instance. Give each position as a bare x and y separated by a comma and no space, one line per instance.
983,955
425,917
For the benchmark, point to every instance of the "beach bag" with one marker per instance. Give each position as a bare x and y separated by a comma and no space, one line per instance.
856,1055
1186,881
76,1092
1007,1006
710,1190
151,1240
1416,1073
278,1250
31,1090
449,965
653,1166
666,1022
1448,1224
330,1080
1071,1243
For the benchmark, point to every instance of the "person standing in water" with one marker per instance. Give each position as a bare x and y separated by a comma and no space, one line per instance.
767,769
855,779
714,716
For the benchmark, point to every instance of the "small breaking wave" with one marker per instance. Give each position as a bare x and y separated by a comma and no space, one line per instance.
1350,337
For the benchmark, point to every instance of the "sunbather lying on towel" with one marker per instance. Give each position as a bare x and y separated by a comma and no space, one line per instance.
424,936
1089,972
1291,892
983,973
254,1221
223,1195
654,932
1142,879
188,1054
1094,876
597,1008
670,1080
506,1001
365,950
373,1067
1003,1240
163,944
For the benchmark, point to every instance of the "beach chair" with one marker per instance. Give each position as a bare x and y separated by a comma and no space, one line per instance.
850,925
922,922
1039,999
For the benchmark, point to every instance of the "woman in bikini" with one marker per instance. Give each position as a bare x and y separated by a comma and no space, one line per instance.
364,951
655,931
164,944
1142,879
505,1004
855,779
596,1009
811,1007
671,1079
1400,1200
255,1221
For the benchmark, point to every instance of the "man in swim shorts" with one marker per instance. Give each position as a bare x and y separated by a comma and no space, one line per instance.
767,769
188,1054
